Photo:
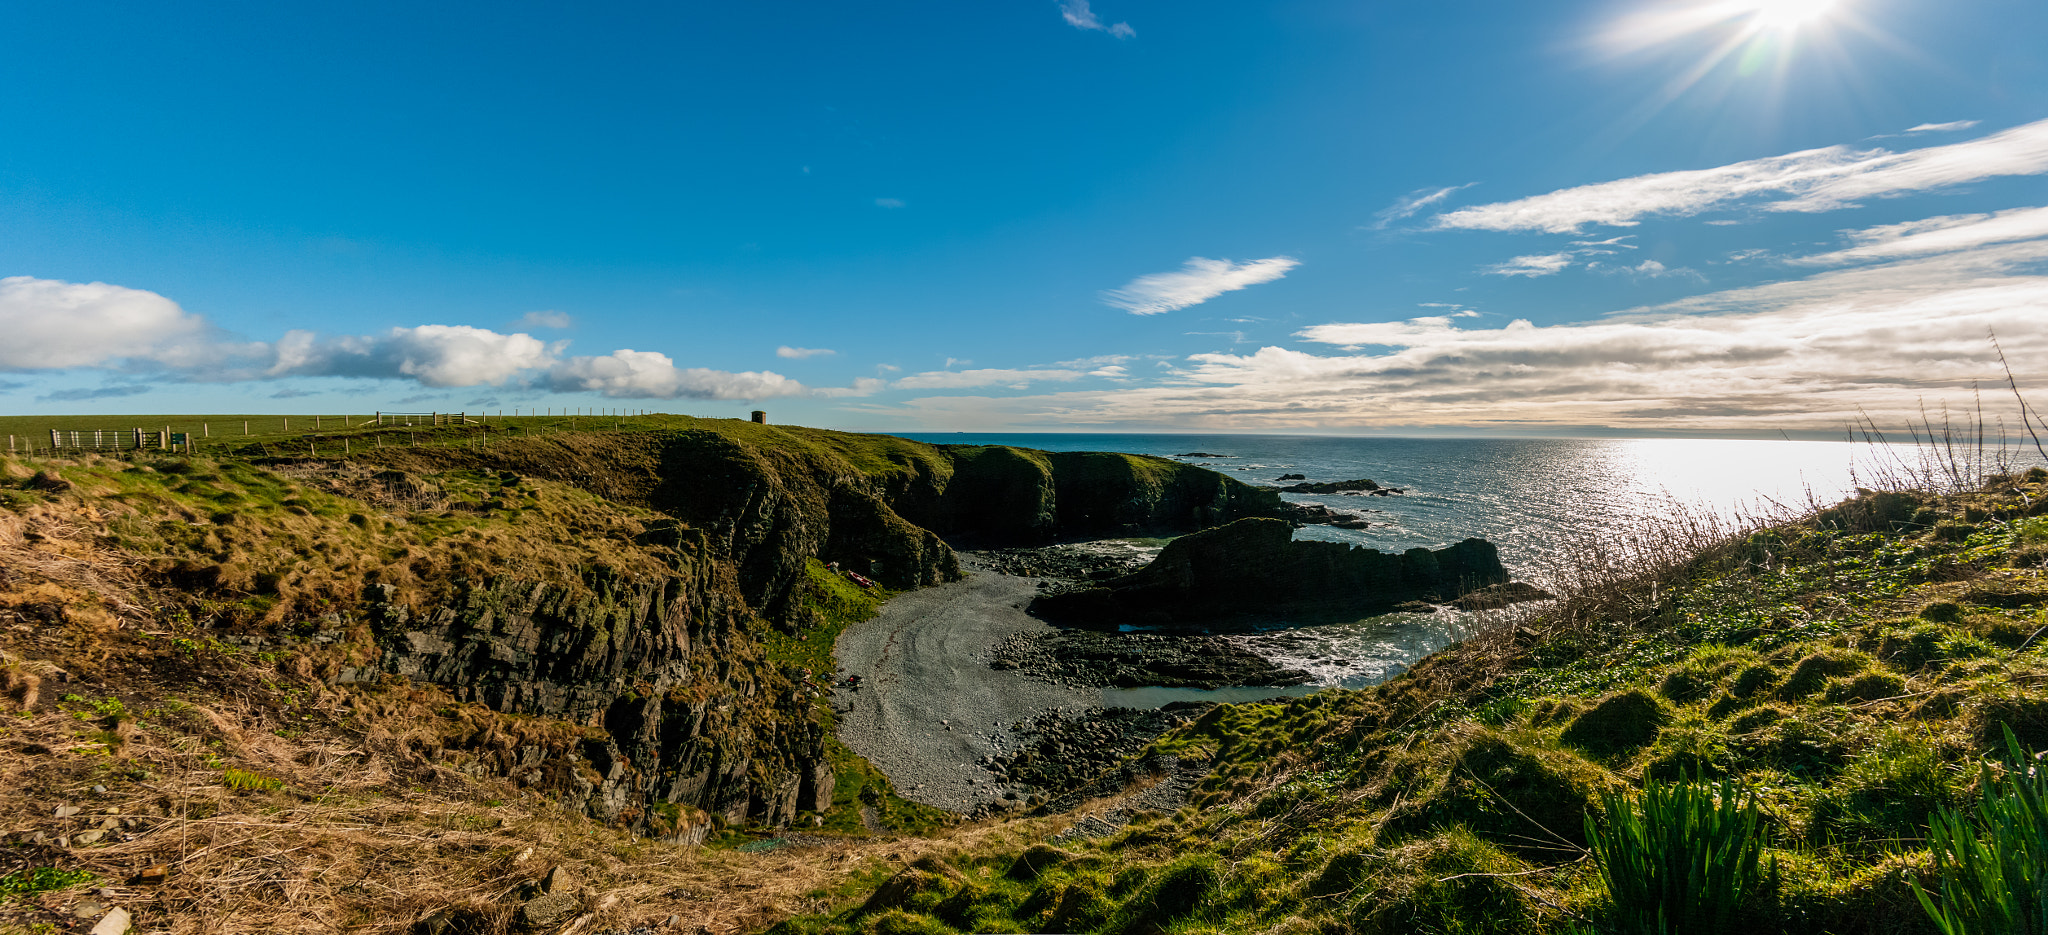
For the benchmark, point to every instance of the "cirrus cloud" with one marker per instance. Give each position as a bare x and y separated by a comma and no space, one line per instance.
1197,281
1807,181
1078,15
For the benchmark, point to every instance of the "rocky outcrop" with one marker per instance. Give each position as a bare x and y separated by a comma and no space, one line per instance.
1131,660
997,495
685,717
688,714
770,497
1254,565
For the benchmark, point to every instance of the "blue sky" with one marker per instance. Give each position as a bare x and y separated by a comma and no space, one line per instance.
1651,217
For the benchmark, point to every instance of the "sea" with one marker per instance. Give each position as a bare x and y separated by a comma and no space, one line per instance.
1537,499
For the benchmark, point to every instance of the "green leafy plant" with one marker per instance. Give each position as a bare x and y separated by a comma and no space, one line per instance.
33,880
1993,862
242,780
1682,859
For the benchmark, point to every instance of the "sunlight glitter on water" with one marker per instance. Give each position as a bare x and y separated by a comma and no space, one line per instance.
1532,498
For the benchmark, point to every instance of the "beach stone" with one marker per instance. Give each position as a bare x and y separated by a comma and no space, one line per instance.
115,922
546,910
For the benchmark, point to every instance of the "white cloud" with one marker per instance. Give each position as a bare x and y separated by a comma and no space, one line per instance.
799,353
1412,202
433,355
862,386
1198,281
888,202
959,379
1651,269
55,325
1807,181
1546,264
630,374
1078,15
1944,234
1948,127
1805,355
545,319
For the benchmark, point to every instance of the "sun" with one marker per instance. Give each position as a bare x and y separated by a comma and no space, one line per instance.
1787,14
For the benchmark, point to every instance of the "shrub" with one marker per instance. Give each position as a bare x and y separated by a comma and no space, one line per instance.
1751,680
1885,793
1451,883
1993,863
1175,894
1617,725
1813,672
1685,686
1037,859
1683,859
1870,686
1529,797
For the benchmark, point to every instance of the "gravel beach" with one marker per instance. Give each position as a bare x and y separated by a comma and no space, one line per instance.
929,708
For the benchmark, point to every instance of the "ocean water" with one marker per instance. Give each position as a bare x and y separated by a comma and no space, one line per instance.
1533,498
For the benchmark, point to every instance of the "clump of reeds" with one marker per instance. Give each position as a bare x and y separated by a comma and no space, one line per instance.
1683,858
1993,860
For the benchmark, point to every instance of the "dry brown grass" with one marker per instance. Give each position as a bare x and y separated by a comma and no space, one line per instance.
363,835
376,820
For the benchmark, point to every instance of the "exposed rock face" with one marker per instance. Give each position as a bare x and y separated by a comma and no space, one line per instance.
684,711
691,715
1254,565
1015,496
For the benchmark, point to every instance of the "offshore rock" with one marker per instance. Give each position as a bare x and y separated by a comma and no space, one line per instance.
1362,485
1255,566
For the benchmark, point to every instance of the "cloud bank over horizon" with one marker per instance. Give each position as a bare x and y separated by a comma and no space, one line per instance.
58,326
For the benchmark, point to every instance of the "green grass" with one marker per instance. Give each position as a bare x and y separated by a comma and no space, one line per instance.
1829,697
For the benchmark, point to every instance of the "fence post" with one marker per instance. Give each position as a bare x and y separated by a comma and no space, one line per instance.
245,426
53,440
164,440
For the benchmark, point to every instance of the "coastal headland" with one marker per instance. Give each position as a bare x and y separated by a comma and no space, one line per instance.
479,687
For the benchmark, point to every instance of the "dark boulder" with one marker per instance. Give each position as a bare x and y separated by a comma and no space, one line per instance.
1256,566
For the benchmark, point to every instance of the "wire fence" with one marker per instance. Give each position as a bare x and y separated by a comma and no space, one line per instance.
315,436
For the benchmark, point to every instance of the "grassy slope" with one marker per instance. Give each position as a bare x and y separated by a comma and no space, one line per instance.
239,750
1850,669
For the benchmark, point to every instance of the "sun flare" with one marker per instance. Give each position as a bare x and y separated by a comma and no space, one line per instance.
1788,14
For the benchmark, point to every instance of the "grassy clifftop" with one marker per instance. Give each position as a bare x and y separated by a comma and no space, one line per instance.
1848,673
346,680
